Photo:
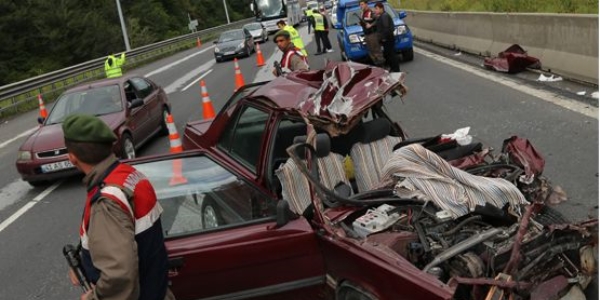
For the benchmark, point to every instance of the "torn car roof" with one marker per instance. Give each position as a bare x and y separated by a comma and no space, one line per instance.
336,94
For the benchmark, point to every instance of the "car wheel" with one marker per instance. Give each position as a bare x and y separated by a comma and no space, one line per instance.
218,60
211,217
127,147
408,55
164,130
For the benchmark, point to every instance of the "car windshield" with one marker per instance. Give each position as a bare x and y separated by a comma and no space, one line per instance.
353,16
231,36
96,101
253,26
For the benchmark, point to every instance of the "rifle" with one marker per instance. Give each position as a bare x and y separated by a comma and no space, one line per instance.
278,69
360,20
71,253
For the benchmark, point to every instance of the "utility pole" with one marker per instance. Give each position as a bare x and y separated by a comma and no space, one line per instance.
123,28
226,13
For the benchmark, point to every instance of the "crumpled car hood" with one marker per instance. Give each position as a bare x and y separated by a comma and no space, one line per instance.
345,91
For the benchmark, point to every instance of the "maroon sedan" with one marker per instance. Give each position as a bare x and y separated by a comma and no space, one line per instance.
303,188
133,106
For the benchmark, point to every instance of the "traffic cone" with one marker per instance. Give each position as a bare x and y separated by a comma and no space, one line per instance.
239,79
175,143
260,60
43,111
198,43
207,108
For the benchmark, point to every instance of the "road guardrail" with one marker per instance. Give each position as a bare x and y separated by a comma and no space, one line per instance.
22,95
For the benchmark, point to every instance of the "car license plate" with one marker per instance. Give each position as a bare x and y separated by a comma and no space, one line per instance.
57,166
229,53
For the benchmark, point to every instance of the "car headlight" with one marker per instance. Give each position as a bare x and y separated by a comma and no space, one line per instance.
24,155
400,30
240,46
354,38
217,50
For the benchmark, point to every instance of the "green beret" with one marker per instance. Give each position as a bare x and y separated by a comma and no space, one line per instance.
87,128
283,33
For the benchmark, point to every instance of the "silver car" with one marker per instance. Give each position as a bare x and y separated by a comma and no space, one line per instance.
258,32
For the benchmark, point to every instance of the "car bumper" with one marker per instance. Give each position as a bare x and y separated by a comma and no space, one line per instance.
231,54
358,51
31,171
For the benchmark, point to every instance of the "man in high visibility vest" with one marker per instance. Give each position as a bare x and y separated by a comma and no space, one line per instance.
112,65
309,18
294,36
321,24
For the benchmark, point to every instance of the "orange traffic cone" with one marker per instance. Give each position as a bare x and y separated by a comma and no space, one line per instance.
207,108
239,79
176,147
43,111
260,60
198,43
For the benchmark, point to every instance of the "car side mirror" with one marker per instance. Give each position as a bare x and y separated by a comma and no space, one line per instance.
402,14
137,102
41,120
337,25
284,214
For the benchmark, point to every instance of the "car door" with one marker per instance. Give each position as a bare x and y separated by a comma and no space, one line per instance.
246,255
249,40
151,108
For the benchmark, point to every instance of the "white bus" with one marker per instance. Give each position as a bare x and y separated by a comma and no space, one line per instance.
269,12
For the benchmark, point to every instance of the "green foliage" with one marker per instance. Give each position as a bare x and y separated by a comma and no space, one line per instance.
40,36
532,6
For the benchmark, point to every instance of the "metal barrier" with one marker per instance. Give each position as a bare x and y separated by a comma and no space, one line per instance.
22,93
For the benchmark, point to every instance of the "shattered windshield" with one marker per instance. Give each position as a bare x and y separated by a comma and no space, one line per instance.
97,101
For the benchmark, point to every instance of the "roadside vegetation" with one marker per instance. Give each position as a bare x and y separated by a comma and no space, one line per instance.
520,6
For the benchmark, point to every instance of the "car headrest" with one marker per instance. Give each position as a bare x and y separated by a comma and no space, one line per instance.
375,130
323,143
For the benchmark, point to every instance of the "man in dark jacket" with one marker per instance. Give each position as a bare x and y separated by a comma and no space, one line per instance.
385,27
371,36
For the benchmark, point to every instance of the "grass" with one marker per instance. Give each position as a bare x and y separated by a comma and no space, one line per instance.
516,6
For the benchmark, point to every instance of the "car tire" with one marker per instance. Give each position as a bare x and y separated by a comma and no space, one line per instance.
127,147
164,130
408,55
211,216
218,60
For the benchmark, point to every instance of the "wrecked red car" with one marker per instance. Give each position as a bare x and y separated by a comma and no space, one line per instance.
304,188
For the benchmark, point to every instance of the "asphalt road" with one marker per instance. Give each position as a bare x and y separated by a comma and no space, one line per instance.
444,96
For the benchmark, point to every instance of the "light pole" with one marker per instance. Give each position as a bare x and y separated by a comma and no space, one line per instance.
226,13
123,28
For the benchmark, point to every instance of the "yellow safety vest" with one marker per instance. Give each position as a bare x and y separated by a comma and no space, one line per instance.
309,13
319,24
112,66
295,38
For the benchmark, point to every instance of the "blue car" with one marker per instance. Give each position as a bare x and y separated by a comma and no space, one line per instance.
350,35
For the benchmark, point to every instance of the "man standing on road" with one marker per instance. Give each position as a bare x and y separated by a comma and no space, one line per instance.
385,28
123,251
295,37
112,65
292,58
371,36
321,25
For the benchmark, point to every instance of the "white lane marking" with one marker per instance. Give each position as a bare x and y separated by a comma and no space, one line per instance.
187,77
26,133
163,68
559,100
196,80
28,206
13,192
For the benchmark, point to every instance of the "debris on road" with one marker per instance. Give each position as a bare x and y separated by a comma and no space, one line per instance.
512,60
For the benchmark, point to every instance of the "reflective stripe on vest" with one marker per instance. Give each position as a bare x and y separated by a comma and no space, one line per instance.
319,23
287,58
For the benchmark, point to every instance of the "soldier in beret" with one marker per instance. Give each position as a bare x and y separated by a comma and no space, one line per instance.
123,252
292,59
